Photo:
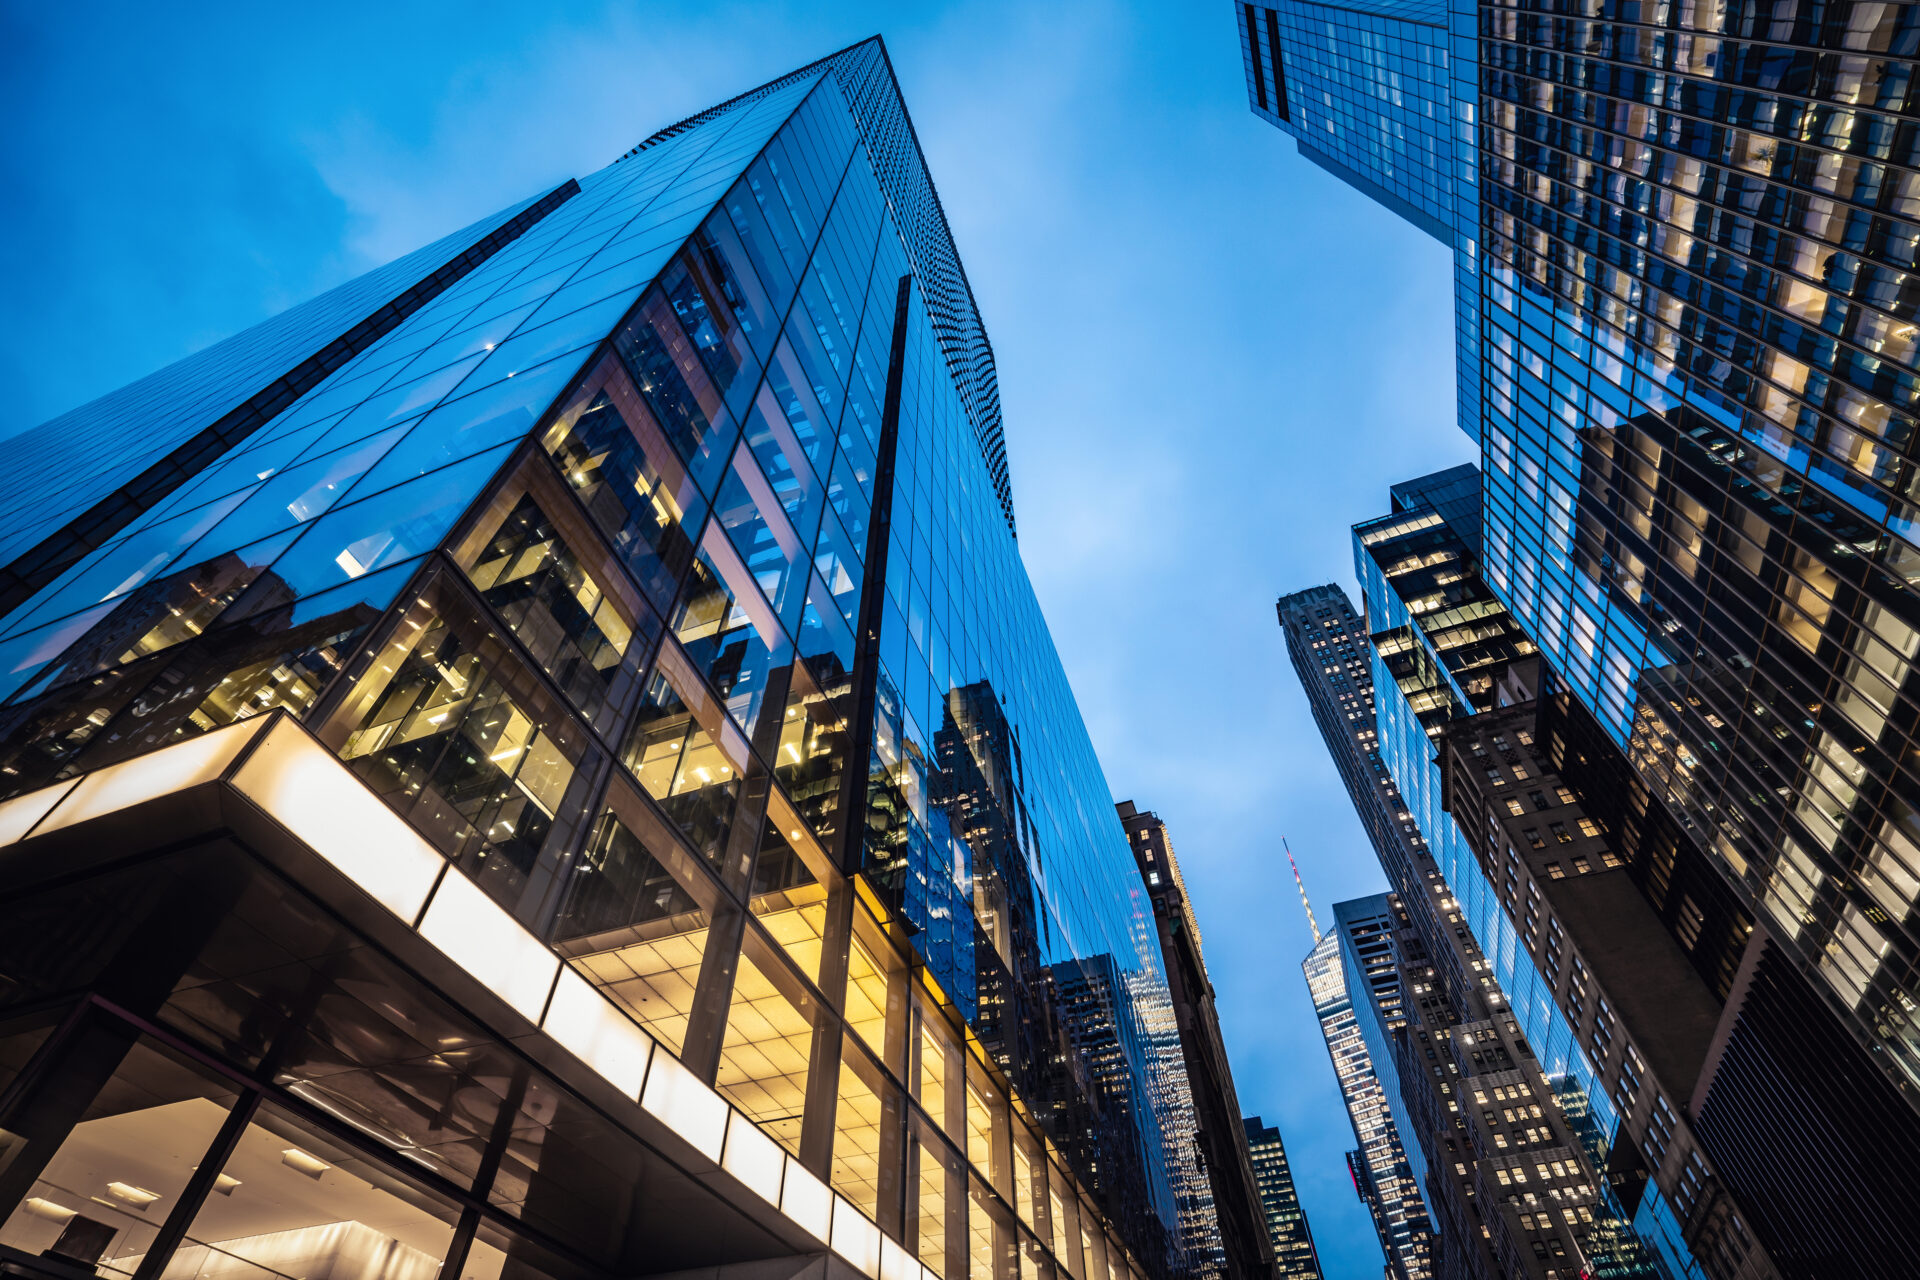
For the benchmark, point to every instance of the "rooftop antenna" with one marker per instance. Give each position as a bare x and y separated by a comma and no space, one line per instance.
1311,922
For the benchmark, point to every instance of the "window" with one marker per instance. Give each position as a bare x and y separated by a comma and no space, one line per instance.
454,734
117,1173
300,1204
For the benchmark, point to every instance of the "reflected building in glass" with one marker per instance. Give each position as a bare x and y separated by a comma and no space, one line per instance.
545,761
1683,243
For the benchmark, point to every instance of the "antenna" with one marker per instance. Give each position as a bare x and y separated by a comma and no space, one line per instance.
1311,922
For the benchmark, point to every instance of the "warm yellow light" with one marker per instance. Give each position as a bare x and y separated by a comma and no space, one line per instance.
311,1165
48,1209
18,815
896,1263
158,773
127,1193
855,1238
806,1201
753,1157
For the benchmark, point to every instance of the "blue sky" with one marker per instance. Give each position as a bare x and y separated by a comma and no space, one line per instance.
1213,357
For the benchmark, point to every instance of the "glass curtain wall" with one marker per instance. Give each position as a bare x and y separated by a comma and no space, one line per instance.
570,569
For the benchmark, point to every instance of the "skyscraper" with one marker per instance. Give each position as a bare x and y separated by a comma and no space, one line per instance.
1331,656
1220,1210
1683,244
515,767
1286,1221
1383,1173
1520,1187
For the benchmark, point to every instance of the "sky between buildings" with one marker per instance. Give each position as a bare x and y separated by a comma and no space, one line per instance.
1213,357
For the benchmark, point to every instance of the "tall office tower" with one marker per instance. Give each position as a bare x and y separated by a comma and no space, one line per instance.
1444,648
1434,633
1684,243
1327,642
1642,989
493,759
1510,1190
1383,1168
1286,1222
1462,1159
1221,1215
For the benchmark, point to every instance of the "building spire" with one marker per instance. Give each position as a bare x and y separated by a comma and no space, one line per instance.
1311,922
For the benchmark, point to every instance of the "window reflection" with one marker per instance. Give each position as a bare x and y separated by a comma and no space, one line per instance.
856,1140
572,626
686,755
936,1211
265,654
611,450
729,634
787,899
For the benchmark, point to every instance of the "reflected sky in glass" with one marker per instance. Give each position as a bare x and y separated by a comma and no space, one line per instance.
1213,357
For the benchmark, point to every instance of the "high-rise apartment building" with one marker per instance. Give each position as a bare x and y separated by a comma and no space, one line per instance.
545,762
1221,1218
1684,241
1286,1221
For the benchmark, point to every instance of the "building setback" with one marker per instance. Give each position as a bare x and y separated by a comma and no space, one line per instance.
1684,249
1225,1221
523,767
1286,1221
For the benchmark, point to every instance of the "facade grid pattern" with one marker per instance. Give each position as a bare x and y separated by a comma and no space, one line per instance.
655,574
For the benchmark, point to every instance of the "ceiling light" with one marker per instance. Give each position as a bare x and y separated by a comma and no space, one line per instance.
225,1183
312,1166
48,1209
127,1193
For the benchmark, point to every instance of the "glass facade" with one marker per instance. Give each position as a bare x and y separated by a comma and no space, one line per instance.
1384,1173
659,572
1441,640
1686,353
1365,90
1222,1225
1690,367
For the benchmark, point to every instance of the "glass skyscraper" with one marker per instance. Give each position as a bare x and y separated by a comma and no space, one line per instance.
1382,1172
1683,241
545,761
